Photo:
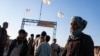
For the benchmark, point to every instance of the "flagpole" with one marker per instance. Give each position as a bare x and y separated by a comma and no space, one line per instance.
40,10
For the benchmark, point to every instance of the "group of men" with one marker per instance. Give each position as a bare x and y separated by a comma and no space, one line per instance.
78,44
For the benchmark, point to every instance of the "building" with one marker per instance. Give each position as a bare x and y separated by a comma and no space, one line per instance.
96,50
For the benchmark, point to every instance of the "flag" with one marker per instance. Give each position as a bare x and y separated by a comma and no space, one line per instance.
28,10
46,2
60,14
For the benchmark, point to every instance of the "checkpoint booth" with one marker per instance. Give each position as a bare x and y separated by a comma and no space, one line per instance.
42,23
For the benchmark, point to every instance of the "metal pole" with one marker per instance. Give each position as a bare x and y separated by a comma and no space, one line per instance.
54,31
23,23
40,10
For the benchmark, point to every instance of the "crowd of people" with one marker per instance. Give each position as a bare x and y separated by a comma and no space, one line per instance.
78,44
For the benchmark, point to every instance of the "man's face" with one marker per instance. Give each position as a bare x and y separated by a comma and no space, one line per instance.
74,26
54,41
21,35
43,39
5,25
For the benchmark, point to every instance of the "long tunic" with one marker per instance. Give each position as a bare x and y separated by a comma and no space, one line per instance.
44,49
54,49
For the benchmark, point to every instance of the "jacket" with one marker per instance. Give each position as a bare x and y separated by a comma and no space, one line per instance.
82,45
23,51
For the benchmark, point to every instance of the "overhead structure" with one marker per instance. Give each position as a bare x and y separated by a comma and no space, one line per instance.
40,22
49,24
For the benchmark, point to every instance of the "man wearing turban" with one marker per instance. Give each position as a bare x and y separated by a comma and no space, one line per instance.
78,44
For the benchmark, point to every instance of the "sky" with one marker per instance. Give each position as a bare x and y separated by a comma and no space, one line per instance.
13,11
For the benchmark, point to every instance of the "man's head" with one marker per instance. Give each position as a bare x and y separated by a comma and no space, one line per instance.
47,38
77,24
54,40
32,35
43,33
38,35
22,34
5,25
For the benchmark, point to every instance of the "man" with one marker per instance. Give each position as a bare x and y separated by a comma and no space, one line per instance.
79,44
40,40
44,48
37,41
3,37
31,45
19,46
43,35
55,48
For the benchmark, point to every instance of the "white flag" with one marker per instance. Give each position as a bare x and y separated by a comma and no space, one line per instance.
28,10
60,14
46,2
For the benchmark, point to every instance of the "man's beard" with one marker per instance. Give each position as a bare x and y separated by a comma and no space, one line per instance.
76,32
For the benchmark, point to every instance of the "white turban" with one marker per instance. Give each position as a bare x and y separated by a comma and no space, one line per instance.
80,22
